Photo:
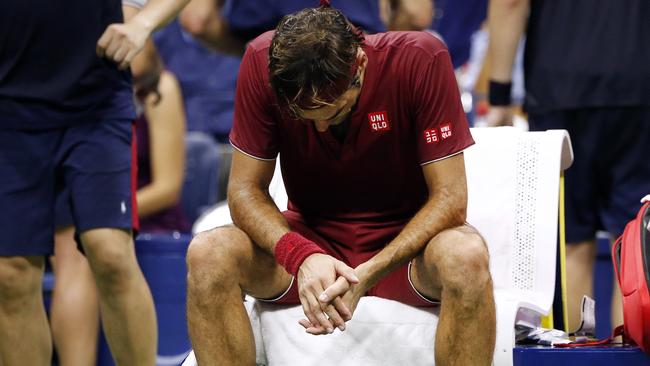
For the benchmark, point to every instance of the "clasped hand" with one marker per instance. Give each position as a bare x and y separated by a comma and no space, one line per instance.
329,291
122,42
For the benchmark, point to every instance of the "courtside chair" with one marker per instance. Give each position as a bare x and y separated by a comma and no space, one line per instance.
514,182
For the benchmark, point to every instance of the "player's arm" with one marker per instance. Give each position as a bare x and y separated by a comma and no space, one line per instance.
251,206
506,23
445,208
253,211
121,42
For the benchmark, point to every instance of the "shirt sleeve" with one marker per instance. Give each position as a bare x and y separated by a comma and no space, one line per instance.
254,130
441,126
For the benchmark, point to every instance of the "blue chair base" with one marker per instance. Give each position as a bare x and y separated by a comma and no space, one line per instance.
593,356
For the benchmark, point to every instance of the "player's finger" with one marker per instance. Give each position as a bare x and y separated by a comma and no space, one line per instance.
346,271
335,317
310,293
305,323
338,288
306,309
320,316
310,328
343,309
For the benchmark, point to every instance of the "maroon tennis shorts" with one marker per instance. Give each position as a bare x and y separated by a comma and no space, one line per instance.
354,243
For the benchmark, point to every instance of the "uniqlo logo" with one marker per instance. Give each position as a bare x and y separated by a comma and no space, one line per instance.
378,121
445,131
431,136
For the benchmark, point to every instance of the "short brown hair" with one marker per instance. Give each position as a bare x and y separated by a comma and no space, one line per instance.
312,51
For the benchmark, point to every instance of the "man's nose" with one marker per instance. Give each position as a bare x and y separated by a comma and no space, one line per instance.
322,126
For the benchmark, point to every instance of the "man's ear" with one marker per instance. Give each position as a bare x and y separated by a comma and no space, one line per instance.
364,58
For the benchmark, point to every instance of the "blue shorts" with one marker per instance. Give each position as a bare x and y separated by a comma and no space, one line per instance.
63,209
611,168
92,161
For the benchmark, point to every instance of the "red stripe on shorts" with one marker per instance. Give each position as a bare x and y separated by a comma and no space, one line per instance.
134,178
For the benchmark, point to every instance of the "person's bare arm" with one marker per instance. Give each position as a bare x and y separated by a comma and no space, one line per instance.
120,42
407,15
506,23
251,206
445,208
203,20
253,211
167,148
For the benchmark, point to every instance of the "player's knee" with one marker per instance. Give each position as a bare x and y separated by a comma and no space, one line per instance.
19,279
212,260
463,262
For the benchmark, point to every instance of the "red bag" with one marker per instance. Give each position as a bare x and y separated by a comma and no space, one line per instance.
631,258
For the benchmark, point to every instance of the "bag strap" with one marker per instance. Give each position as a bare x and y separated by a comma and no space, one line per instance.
616,258
618,331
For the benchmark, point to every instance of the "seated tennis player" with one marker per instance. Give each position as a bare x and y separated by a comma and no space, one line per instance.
371,133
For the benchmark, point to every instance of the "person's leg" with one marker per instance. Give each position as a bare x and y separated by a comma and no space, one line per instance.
99,173
27,180
580,260
583,198
454,268
616,313
222,265
24,332
74,311
627,168
125,302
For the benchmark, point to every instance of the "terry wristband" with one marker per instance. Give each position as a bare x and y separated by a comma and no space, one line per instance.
292,249
499,93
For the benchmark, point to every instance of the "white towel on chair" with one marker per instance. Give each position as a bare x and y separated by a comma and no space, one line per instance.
382,332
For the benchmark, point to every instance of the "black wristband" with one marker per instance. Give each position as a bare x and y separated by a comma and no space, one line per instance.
499,93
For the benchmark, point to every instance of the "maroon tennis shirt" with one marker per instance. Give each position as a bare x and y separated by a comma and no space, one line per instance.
408,114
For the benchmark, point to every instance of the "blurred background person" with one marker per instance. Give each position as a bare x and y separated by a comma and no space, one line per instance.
587,70
160,131
226,25
66,107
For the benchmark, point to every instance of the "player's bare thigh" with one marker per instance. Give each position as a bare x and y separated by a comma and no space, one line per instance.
229,249
447,258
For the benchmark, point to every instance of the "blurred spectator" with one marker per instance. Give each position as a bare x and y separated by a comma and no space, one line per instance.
161,147
226,25
586,66
67,108
406,15
160,131
207,79
457,21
